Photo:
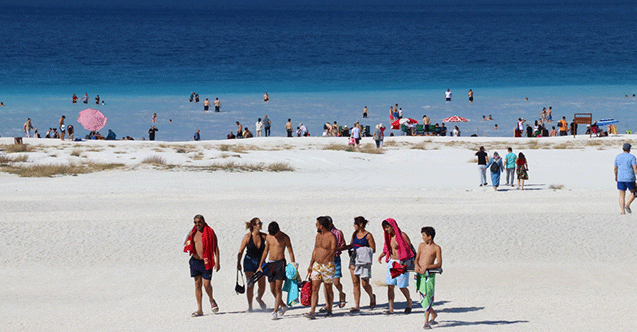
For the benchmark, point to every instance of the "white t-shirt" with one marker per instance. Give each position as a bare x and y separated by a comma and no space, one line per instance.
447,94
356,133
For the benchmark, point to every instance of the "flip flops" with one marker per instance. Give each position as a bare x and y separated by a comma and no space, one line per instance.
341,303
215,307
196,314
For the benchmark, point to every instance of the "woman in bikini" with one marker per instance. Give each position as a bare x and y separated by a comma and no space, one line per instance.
254,244
361,275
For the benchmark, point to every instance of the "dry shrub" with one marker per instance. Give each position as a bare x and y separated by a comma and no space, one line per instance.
76,153
239,148
13,148
369,148
390,143
50,170
280,166
561,146
556,186
197,156
185,148
336,147
420,146
154,160
224,147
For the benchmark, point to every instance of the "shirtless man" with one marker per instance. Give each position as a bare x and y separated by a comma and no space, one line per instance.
206,105
288,127
394,252
217,105
335,129
27,127
202,262
62,127
322,265
429,257
239,130
425,123
470,94
275,244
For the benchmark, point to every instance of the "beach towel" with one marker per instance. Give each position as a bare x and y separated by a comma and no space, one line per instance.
425,284
208,239
364,256
404,252
291,285
397,269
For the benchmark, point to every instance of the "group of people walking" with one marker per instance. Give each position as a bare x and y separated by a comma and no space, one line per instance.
265,257
515,165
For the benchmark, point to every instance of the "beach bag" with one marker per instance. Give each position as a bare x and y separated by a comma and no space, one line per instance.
494,167
306,293
240,289
411,263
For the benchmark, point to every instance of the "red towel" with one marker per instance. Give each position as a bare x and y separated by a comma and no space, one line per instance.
404,251
397,269
208,239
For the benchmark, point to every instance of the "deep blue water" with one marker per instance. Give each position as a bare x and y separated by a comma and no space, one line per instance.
138,59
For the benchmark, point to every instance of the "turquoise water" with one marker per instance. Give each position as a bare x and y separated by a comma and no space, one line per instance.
318,66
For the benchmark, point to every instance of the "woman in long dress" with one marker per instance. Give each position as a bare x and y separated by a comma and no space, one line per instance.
495,172
521,170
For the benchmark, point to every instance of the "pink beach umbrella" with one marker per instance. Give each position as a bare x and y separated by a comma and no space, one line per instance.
91,119
455,118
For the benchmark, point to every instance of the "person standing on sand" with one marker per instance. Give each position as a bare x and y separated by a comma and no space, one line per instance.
206,105
254,242
396,251
266,125
510,166
522,169
275,244
62,127
239,130
363,247
470,94
288,128
258,127
379,135
549,114
217,104
365,112
625,169
448,95
151,133
482,165
338,273
495,170
27,128
322,267
197,136
429,257
563,126
202,245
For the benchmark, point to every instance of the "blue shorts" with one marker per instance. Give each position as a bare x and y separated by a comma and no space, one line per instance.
250,264
337,267
626,185
198,268
402,281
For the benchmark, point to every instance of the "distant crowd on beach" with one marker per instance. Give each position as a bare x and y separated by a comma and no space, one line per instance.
265,257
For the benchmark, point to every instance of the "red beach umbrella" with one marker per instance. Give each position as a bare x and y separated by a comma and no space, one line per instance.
396,124
455,118
91,119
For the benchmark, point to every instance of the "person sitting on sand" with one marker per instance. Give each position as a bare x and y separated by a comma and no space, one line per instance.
247,133
553,132
203,247
429,257
231,136
275,244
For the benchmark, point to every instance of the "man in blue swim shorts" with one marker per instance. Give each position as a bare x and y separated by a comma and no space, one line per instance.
625,169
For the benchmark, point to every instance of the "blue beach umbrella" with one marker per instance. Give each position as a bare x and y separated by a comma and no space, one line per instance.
604,122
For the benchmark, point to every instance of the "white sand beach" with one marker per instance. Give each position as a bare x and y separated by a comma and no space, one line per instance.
103,251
